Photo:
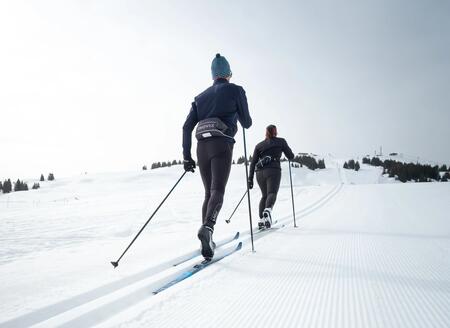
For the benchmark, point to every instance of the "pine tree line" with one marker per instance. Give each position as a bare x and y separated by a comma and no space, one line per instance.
241,160
7,186
409,171
309,162
157,165
352,165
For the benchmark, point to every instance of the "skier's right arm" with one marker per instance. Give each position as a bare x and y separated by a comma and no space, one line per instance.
191,122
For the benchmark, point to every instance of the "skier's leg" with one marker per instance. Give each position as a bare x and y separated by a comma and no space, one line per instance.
263,186
220,171
273,185
204,165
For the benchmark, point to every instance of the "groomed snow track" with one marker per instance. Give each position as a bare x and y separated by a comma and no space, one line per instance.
357,259
100,310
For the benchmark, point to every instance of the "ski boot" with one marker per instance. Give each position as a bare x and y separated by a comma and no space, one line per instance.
208,246
267,216
261,223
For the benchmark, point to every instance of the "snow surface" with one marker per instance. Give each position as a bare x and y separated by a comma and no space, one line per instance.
366,253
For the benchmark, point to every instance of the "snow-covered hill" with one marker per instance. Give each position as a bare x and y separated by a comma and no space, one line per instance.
365,254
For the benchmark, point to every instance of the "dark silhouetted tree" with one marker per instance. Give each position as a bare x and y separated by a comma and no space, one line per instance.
445,177
351,164
20,186
42,178
357,167
50,177
7,186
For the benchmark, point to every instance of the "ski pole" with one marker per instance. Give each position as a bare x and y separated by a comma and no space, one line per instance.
292,194
116,263
229,219
248,193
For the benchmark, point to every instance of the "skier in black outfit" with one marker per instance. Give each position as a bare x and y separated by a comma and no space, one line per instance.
216,111
266,161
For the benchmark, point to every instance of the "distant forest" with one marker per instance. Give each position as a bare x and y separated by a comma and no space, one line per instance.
410,171
7,186
303,160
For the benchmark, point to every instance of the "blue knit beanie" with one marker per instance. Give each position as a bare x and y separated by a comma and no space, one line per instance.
220,67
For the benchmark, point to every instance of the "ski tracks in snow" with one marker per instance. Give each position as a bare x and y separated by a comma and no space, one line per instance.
95,306
315,277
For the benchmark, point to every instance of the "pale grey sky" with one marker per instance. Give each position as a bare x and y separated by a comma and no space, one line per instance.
106,85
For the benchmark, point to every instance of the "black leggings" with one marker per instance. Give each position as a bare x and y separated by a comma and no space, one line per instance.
269,182
214,161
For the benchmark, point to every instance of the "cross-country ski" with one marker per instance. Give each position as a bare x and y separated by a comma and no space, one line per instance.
198,267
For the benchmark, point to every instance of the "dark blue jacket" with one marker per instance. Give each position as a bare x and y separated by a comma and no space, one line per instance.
223,100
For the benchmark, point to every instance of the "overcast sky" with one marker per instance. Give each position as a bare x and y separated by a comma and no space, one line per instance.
106,85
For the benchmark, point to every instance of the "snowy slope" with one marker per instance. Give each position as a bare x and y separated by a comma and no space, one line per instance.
364,254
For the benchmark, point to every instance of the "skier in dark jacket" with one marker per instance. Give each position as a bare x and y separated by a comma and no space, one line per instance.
216,111
266,161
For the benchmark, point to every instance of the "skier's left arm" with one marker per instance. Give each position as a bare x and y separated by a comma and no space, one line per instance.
287,150
189,124
242,106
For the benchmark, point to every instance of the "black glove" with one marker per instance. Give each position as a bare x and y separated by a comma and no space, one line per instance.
250,183
189,165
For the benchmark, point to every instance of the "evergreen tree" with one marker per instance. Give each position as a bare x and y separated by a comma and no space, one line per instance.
18,185
445,177
234,162
308,161
345,165
376,161
321,164
443,168
36,186
50,177
144,168
7,186
42,178
1,186
174,162
357,167
351,164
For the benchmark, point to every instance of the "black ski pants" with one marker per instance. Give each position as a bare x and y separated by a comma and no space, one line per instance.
214,161
269,182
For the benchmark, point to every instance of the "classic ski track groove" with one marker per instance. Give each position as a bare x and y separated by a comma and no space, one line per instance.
355,280
63,306
103,312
